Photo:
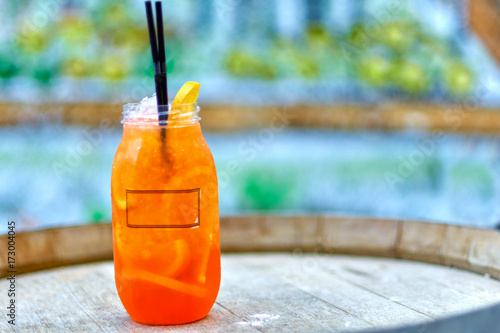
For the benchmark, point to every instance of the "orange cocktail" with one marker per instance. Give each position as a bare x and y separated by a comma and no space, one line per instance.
165,218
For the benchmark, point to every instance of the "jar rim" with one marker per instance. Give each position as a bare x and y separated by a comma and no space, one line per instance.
181,115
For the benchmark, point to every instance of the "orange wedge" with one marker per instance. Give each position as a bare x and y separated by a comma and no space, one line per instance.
118,193
120,203
166,282
188,94
179,259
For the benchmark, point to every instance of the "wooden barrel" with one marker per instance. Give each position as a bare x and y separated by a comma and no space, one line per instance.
280,273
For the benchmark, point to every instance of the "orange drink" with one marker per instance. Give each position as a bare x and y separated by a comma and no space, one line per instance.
165,216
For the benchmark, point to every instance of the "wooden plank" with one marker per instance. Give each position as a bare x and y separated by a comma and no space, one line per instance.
304,269
463,247
359,236
4,325
86,301
389,116
239,233
270,233
90,244
420,241
286,233
270,293
397,283
460,281
484,252
46,306
274,305
472,249
454,281
35,249
455,246
41,249
303,272
308,233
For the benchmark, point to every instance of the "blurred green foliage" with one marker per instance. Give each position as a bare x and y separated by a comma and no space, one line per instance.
104,40
473,177
398,53
108,39
265,189
242,64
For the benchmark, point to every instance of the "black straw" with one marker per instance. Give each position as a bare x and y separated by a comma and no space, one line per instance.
152,33
159,61
161,39
161,52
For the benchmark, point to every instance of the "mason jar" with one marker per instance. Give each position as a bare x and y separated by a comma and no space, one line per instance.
165,214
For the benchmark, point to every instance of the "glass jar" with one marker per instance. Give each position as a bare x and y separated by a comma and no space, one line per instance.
165,217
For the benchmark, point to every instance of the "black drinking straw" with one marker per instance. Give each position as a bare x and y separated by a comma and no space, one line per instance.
152,33
161,49
159,63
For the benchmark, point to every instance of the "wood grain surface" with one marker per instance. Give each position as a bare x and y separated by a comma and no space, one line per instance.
309,286
267,292
472,249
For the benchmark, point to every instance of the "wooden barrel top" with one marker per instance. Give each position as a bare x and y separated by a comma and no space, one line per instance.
267,293
281,273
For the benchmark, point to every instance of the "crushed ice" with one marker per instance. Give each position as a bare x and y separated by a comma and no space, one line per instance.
145,109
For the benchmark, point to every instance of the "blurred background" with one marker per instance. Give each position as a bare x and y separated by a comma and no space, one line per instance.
374,108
